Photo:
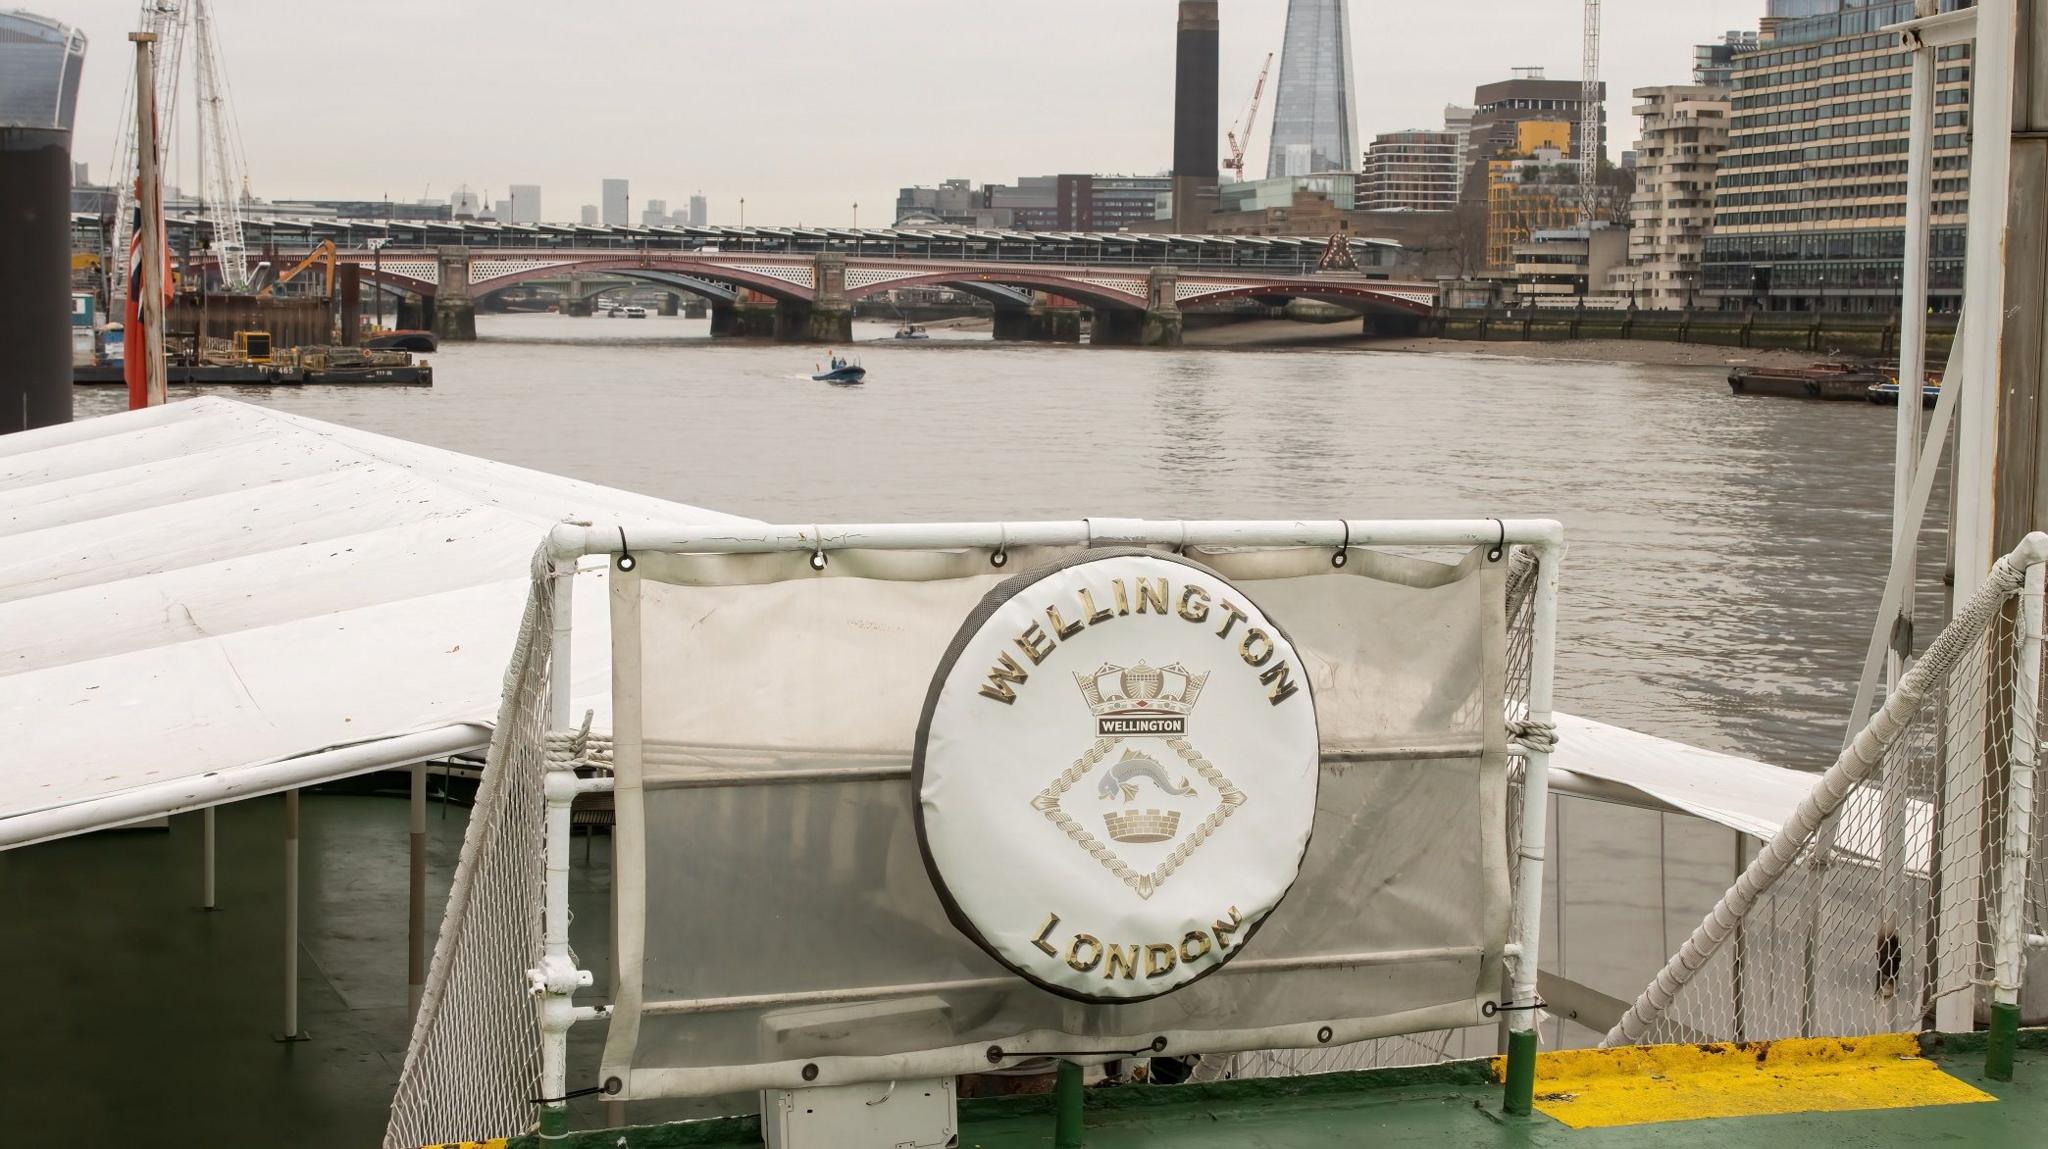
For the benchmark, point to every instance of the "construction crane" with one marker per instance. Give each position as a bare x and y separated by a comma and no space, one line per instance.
1589,113
223,168
1235,161
323,254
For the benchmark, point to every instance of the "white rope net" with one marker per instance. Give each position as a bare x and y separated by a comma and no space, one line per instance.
473,1062
1882,895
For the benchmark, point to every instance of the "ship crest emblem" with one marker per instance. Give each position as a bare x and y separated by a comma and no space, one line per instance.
1156,803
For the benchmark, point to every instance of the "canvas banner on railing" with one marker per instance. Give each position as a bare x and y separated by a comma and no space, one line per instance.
842,855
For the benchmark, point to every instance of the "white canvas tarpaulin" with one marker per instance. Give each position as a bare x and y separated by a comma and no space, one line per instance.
774,909
193,592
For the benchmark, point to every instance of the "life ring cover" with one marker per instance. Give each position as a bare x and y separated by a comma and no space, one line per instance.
1116,774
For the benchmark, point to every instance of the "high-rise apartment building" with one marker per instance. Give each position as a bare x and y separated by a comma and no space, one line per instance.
1458,121
700,211
617,208
1810,198
525,203
1685,130
1314,123
1414,170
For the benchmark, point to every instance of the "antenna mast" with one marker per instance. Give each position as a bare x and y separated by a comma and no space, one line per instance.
1589,114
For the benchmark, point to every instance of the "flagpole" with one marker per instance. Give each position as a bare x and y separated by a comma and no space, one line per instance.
149,198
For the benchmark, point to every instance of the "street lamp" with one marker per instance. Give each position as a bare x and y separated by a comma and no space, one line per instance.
1823,292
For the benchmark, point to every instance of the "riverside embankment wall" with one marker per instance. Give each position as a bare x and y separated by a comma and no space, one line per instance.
1823,333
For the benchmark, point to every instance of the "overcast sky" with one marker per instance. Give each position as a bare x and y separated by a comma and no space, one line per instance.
802,108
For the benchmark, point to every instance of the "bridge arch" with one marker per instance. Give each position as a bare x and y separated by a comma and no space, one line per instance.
792,282
1119,293
1355,294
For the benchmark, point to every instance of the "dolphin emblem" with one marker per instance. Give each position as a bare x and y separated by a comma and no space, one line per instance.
1122,778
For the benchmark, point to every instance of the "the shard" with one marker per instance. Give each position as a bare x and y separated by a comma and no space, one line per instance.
1314,127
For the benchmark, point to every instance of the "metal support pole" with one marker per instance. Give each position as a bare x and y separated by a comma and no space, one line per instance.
416,898
2008,936
291,919
1519,1096
206,864
1067,1097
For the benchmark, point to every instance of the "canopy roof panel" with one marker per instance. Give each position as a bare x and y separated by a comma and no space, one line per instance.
207,587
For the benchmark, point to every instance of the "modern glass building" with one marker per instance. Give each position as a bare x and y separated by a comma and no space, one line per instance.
1810,195
1314,125
40,62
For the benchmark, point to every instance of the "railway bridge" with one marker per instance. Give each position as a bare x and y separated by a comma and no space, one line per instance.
809,297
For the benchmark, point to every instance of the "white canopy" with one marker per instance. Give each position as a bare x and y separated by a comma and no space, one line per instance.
210,600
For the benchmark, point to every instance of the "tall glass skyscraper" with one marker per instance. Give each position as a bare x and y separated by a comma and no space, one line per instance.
1314,127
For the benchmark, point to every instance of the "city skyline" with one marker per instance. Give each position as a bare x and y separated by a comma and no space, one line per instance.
846,143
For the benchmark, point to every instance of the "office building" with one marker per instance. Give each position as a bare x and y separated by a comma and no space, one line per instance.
617,209
700,211
502,211
1194,116
1411,171
41,61
1685,130
1066,202
1562,267
1810,196
1501,108
589,217
654,213
1713,65
1314,123
1537,191
525,203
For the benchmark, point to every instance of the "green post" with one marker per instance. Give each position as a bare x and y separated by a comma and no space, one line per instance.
1520,1077
554,1122
2005,1035
1066,1133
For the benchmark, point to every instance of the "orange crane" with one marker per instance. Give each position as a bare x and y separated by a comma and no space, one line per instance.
1235,161
324,253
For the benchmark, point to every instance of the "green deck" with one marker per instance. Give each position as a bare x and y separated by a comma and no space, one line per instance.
1441,1107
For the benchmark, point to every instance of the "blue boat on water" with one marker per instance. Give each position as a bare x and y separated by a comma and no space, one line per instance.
843,372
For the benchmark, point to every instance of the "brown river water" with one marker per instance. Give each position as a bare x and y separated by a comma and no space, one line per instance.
1726,554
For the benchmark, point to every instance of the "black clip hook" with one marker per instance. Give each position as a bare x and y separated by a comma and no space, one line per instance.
1343,550
1500,545
626,560
1001,554
817,550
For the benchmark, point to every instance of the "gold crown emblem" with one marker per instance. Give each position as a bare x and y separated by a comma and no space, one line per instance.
1142,825
1141,689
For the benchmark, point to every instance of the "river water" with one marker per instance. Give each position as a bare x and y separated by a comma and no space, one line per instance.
1726,555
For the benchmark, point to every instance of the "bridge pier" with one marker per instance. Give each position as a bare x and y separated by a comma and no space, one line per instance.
454,311
828,317
1162,311
725,320
667,306
572,300
799,322
1039,323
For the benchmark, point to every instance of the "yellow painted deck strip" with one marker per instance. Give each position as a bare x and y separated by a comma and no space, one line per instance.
1603,1088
